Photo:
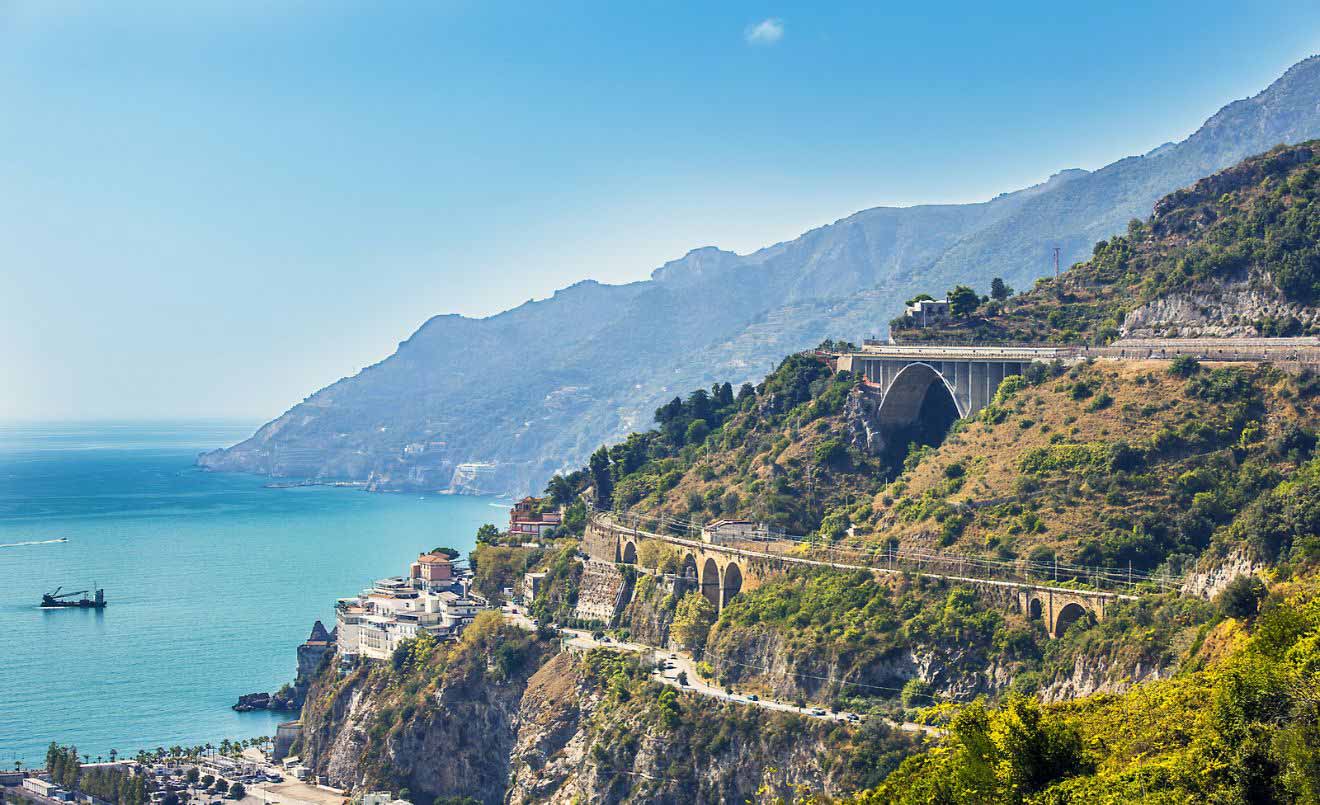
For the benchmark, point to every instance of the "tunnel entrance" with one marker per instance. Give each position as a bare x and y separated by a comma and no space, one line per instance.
918,410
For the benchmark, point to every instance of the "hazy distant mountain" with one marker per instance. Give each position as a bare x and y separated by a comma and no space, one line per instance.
497,404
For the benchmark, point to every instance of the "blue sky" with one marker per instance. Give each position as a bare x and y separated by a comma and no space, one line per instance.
214,208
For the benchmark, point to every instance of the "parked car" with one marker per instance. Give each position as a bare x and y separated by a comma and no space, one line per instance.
753,698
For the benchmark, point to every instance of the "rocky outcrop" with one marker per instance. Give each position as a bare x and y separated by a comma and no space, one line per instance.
763,658
1208,581
361,734
862,421
650,611
1246,307
554,733
1091,675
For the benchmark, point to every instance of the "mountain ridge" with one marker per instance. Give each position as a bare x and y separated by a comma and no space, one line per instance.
534,389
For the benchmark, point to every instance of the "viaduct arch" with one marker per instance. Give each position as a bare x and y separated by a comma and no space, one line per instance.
721,572
904,375
1060,609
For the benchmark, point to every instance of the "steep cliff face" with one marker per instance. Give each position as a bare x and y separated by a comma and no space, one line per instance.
376,728
574,729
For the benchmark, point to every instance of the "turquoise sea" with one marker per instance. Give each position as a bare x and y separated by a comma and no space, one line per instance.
212,581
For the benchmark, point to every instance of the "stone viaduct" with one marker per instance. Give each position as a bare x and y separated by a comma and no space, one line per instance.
722,570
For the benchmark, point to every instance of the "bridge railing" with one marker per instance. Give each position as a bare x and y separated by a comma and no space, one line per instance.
888,557
1292,350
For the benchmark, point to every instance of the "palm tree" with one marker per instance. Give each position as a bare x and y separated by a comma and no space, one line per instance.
114,753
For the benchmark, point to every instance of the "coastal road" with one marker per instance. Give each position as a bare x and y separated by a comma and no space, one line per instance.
682,662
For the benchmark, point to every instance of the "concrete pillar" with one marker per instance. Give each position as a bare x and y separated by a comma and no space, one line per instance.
979,378
963,387
996,377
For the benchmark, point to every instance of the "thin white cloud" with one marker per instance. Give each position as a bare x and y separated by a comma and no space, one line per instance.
766,32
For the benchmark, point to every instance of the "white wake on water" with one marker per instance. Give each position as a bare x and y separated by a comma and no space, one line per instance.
33,542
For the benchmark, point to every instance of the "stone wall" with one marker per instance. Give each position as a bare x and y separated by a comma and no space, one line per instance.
602,592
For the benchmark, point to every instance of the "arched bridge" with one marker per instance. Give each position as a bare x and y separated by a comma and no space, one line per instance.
721,570
904,375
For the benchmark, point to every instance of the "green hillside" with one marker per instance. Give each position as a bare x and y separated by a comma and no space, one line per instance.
1257,222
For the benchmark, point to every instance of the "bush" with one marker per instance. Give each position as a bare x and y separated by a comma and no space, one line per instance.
831,453
237,791
1184,366
916,693
1242,597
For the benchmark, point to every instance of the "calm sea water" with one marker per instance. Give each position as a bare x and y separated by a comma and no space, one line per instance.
212,580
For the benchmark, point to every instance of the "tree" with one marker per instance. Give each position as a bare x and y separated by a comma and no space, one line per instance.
193,775
693,618
963,302
697,431
669,412
222,785
698,405
237,791
746,392
559,490
497,567
999,290
599,466
724,395
488,533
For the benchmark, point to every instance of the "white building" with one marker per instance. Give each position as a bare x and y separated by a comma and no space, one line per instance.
724,531
928,312
433,598
41,787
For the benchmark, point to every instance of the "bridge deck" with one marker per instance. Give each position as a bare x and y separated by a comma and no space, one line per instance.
1305,349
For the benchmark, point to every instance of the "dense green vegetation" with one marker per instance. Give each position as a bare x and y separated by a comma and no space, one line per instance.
773,452
116,785
1244,728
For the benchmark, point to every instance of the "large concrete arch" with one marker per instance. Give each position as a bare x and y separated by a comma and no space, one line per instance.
903,399
629,552
732,583
710,582
1069,614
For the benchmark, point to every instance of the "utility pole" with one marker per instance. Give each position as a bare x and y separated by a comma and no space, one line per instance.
1056,262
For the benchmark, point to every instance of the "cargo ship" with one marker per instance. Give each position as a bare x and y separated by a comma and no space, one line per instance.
58,600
